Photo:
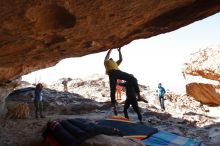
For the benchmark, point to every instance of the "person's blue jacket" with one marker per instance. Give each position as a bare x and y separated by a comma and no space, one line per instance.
38,95
161,91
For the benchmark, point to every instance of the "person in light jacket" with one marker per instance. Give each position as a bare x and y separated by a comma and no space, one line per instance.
38,100
161,92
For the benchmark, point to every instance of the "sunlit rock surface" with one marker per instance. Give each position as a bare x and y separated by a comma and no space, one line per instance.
37,34
202,73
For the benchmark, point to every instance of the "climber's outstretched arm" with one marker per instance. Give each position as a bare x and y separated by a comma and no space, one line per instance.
120,56
108,54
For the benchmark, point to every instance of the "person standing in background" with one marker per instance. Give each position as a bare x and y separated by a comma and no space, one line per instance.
38,100
118,90
161,92
65,88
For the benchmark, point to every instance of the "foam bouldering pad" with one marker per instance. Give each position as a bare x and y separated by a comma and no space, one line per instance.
128,128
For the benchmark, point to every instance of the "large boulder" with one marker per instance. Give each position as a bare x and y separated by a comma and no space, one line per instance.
202,73
5,90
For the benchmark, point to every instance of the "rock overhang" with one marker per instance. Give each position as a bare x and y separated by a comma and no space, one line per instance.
37,34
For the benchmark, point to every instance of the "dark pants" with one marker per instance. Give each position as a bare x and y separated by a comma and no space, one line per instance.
161,99
134,104
38,107
117,74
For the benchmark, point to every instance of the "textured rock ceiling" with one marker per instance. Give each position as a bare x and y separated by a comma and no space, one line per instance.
37,34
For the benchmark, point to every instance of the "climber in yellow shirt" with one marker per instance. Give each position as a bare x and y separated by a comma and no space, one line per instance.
114,73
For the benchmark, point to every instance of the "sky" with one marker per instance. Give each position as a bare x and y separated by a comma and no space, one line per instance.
154,60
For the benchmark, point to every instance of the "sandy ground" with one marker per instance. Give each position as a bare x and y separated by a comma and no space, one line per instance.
27,132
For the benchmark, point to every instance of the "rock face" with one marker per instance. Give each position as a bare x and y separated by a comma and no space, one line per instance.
4,92
59,102
92,87
202,73
37,34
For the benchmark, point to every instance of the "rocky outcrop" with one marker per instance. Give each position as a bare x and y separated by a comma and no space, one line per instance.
37,34
5,90
92,87
202,72
59,102
4,93
205,93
